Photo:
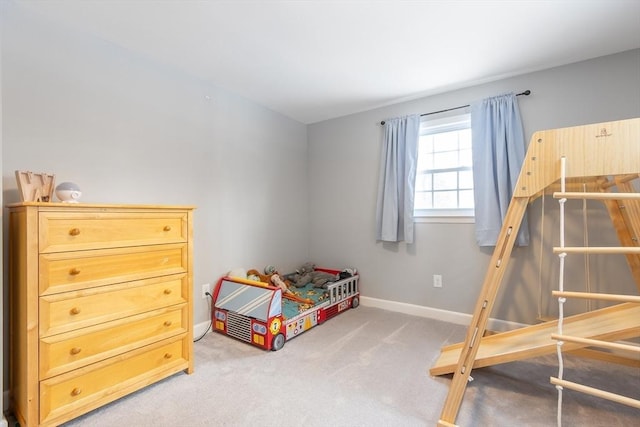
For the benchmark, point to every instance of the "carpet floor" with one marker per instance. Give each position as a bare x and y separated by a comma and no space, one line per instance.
365,367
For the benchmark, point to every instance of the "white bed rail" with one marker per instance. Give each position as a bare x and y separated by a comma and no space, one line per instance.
342,289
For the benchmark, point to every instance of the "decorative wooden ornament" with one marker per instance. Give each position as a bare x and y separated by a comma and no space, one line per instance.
35,187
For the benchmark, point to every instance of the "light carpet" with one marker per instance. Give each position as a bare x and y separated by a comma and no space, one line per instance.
365,367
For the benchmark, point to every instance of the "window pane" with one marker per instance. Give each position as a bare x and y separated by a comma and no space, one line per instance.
466,199
445,160
425,150
423,200
465,158
426,144
425,162
445,199
466,179
445,181
445,141
464,138
423,182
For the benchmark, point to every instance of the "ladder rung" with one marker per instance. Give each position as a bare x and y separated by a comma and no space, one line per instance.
596,392
603,297
596,196
597,343
597,250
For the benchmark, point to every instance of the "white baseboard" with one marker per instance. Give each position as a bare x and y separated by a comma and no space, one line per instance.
437,314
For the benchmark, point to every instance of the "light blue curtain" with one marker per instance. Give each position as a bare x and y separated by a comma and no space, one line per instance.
394,213
498,152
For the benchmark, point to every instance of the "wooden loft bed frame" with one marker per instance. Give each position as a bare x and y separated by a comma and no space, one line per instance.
607,157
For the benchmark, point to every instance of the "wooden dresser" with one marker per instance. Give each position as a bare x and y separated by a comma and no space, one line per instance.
100,304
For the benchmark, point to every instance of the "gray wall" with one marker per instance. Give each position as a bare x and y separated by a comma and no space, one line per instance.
344,156
130,130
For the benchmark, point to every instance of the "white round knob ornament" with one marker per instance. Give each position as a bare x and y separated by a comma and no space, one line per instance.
68,192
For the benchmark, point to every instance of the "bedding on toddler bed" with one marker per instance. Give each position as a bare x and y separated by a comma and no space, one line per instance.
316,296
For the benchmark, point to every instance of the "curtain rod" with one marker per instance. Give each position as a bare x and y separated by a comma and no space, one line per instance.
525,93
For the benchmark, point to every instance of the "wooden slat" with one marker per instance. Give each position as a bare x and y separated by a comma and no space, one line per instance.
484,304
597,296
612,250
597,392
596,196
596,343
630,210
630,177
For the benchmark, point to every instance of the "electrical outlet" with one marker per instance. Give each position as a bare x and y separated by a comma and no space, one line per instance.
206,288
437,281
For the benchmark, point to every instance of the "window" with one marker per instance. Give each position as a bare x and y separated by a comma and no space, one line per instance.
444,176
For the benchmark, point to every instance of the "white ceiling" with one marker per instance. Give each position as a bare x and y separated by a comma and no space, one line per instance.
315,60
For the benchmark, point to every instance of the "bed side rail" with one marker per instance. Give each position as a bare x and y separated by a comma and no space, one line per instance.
343,289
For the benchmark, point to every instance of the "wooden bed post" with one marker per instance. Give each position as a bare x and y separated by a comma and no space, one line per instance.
595,151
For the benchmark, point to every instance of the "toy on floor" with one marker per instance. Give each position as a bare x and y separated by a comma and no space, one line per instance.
265,315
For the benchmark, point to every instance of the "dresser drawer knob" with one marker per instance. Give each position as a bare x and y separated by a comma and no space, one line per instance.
167,228
74,311
167,291
75,350
167,323
74,231
168,356
74,271
76,391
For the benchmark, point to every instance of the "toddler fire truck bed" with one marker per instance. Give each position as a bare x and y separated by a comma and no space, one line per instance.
259,314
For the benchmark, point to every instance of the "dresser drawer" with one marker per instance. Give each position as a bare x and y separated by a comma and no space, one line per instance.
65,271
64,396
73,310
71,231
64,352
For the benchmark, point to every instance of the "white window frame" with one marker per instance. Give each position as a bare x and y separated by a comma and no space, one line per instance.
428,127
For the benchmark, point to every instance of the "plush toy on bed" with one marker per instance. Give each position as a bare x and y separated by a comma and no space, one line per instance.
273,278
308,274
347,272
270,276
276,280
254,274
